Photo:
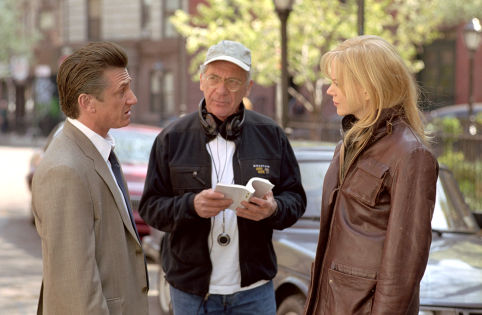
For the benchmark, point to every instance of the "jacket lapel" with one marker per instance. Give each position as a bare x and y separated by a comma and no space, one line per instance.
102,169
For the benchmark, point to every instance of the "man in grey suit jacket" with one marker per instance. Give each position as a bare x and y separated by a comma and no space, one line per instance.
93,262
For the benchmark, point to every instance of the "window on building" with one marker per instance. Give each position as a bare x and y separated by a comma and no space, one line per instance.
162,94
168,88
94,24
155,87
146,15
437,79
168,9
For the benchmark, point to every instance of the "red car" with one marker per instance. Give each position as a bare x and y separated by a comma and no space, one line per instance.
132,146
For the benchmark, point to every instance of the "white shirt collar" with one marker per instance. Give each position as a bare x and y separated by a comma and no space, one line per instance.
103,145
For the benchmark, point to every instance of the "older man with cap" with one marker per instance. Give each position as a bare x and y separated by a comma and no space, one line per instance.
219,260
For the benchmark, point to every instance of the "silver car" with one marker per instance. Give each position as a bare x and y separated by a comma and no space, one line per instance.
452,283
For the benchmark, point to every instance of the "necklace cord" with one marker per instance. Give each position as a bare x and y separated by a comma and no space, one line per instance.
226,238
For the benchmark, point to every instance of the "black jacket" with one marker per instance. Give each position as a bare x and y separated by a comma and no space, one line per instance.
180,167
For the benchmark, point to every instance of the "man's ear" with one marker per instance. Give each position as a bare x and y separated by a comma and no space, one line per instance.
249,88
201,87
86,103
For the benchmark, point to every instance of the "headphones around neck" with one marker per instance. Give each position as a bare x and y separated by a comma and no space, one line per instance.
228,129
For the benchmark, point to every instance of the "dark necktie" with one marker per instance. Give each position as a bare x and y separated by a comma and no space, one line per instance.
118,177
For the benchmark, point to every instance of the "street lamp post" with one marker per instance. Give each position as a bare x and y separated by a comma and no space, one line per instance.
472,32
361,17
283,8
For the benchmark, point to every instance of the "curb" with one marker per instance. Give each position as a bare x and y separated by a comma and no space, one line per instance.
15,140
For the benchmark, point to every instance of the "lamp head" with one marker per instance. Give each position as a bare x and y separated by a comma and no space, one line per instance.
283,5
472,32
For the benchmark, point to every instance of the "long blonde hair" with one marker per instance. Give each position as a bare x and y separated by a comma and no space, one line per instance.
370,64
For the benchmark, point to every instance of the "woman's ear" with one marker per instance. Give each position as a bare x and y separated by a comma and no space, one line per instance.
366,96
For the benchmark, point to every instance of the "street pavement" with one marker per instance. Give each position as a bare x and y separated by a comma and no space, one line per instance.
21,141
20,253
20,247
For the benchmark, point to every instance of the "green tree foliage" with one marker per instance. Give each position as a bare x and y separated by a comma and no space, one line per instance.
252,22
16,39
467,171
457,11
314,27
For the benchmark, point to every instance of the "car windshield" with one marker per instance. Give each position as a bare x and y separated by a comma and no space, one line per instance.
132,146
451,213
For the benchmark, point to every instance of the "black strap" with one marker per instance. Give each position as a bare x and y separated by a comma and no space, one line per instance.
118,177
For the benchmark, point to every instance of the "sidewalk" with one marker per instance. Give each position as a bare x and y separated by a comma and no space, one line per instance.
20,249
12,139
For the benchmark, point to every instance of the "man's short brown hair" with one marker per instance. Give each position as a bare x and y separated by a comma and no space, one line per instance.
83,72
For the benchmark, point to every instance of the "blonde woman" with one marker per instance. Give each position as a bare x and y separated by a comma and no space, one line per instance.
379,192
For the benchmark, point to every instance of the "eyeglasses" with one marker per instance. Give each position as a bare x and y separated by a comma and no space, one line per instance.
231,84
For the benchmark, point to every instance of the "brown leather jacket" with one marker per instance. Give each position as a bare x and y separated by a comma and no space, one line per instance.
375,229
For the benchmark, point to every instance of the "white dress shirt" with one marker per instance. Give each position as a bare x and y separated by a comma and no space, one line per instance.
104,146
226,273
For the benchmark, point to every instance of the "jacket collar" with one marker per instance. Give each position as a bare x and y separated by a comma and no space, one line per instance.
383,126
100,166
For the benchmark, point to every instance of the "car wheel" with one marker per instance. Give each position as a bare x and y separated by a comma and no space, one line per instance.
292,305
164,294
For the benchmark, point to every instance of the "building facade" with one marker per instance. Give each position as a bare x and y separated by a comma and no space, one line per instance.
159,63
445,78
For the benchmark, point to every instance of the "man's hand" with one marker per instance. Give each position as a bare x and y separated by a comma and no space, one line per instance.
208,203
258,209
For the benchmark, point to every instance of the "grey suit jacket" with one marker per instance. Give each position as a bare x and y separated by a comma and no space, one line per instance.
93,262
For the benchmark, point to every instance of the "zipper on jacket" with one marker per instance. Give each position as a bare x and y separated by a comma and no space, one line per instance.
323,275
238,161
199,179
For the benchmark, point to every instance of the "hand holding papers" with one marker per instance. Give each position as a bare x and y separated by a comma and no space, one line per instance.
256,187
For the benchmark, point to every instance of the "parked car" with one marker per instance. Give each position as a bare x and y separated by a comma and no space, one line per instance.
133,146
452,283
463,148
460,111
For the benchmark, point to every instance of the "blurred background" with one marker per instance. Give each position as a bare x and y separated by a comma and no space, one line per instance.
166,41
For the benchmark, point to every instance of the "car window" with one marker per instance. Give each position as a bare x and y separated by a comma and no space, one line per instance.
312,175
133,146
451,213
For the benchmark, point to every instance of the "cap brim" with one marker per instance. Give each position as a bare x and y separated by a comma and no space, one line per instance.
240,64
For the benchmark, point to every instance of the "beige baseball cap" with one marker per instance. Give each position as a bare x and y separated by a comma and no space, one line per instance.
231,51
